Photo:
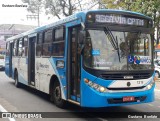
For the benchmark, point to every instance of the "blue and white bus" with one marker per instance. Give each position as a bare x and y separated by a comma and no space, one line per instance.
96,58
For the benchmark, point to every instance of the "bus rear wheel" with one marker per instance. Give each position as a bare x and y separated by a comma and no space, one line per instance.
17,84
57,98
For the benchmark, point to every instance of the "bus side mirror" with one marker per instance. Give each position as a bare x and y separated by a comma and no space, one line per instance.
81,37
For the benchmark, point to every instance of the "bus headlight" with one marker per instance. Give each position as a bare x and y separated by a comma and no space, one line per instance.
95,86
101,89
149,86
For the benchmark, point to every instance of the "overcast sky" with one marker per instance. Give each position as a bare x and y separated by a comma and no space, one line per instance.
17,15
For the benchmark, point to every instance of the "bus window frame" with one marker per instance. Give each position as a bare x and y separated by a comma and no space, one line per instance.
64,39
21,39
39,44
24,47
7,48
15,48
46,42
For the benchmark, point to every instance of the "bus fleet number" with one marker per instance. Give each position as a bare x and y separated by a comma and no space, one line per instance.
139,82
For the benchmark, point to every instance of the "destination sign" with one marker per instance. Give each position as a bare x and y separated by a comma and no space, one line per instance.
119,19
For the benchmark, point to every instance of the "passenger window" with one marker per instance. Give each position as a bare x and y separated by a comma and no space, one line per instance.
46,48
38,50
25,47
39,44
25,41
20,47
58,48
15,48
53,44
48,36
59,34
40,38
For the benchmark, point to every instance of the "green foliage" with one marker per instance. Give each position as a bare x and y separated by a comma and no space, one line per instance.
114,4
150,8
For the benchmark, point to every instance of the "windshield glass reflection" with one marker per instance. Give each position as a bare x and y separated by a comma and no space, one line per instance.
114,50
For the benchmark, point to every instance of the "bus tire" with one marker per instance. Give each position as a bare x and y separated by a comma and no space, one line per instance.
17,84
57,98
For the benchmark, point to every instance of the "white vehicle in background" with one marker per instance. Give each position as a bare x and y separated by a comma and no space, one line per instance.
2,62
157,68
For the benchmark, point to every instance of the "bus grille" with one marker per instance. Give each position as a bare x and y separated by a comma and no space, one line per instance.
128,88
121,76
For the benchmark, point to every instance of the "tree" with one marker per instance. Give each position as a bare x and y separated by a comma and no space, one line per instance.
58,8
114,4
148,7
34,5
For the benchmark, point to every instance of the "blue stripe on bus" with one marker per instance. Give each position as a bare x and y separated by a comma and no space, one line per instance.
21,79
119,11
92,98
62,83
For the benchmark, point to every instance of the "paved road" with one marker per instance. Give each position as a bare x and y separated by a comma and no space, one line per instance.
158,84
29,100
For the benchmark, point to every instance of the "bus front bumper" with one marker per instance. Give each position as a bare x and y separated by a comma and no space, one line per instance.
93,98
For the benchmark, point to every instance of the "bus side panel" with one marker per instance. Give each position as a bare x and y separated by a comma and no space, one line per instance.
61,74
43,73
20,64
16,64
15,61
13,69
23,70
44,69
7,65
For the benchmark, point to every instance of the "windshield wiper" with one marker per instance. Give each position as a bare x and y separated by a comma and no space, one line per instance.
118,49
110,37
112,40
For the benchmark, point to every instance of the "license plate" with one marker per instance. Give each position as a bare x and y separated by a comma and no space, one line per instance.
128,99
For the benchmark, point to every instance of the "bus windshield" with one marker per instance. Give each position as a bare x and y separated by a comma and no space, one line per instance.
115,50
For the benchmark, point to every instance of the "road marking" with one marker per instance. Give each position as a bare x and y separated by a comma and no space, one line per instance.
4,110
102,119
150,105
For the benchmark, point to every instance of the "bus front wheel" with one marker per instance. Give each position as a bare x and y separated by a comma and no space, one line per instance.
17,84
57,98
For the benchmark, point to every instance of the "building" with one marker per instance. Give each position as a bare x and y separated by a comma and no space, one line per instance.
8,30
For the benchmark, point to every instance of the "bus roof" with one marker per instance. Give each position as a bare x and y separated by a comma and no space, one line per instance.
79,15
119,11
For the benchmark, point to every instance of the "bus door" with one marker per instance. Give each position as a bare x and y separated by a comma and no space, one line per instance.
31,60
10,59
74,65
